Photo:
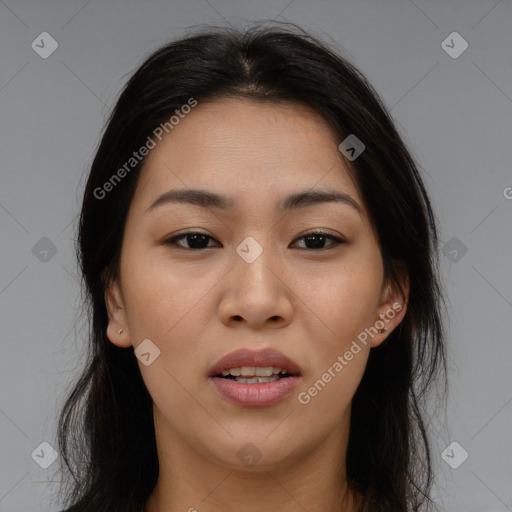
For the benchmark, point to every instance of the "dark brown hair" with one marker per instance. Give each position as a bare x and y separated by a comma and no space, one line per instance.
106,433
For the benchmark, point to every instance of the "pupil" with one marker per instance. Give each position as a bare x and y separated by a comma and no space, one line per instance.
319,243
193,239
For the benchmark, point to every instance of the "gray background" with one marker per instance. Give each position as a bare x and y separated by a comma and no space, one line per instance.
454,113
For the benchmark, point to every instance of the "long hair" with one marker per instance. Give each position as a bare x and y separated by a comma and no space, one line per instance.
105,432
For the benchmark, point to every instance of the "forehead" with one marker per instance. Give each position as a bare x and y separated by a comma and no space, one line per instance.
248,149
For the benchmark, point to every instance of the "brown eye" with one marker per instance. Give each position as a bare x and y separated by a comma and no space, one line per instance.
316,240
195,239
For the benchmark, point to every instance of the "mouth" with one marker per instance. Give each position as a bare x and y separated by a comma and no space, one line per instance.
249,378
254,374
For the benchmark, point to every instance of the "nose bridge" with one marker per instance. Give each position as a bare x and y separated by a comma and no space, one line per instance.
254,292
253,259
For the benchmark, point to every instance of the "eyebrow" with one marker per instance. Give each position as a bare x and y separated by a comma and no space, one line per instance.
295,201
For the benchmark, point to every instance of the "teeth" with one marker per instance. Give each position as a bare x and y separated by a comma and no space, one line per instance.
247,371
263,372
256,380
251,371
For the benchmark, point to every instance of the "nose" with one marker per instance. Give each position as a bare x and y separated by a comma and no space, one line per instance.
256,294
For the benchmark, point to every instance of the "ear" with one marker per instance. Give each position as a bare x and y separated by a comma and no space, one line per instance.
117,320
392,306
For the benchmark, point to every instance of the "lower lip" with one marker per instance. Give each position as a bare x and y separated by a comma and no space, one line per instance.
262,394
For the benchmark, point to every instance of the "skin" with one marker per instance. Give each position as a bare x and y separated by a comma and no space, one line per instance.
198,305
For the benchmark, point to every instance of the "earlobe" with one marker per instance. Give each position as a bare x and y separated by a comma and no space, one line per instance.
117,331
392,309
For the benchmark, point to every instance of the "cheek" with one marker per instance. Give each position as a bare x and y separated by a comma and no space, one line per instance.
166,305
158,297
337,357
331,392
345,298
343,304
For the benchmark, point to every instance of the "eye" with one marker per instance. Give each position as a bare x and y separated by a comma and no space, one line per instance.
197,240
316,240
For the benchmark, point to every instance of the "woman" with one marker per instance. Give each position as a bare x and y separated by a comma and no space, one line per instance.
259,256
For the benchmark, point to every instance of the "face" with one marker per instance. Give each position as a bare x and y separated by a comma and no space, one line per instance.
252,275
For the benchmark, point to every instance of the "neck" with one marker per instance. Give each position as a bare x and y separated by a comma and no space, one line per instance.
194,482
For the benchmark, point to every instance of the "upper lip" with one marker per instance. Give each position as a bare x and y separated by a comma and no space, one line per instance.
256,358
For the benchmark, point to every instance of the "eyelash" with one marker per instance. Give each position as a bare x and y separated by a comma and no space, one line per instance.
173,240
